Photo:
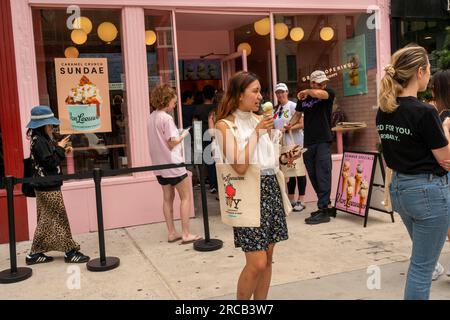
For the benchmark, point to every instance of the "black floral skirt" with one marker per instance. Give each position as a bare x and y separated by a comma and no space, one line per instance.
273,220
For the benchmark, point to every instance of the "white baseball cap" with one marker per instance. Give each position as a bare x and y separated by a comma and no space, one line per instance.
281,86
318,76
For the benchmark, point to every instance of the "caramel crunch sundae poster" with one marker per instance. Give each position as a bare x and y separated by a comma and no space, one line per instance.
83,95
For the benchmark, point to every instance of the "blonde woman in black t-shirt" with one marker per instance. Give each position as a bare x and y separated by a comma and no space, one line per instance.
414,145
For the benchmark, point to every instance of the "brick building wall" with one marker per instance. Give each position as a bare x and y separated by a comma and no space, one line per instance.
361,108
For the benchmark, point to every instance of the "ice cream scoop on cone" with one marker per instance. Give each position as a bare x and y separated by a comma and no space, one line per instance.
267,108
358,179
344,180
349,196
363,192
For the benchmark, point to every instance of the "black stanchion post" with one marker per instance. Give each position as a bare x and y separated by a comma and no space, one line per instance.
103,263
206,244
14,274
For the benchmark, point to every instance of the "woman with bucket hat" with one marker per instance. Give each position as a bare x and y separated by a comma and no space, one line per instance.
53,229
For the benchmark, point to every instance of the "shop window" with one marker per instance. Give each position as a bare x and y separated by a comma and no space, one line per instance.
345,49
259,61
291,68
429,34
103,142
160,51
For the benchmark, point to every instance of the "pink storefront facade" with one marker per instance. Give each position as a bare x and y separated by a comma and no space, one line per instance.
137,199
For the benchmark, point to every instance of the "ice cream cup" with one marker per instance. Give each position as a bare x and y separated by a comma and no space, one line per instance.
83,117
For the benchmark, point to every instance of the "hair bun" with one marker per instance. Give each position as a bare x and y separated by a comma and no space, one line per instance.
390,70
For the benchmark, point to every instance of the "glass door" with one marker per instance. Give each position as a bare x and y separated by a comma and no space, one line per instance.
229,66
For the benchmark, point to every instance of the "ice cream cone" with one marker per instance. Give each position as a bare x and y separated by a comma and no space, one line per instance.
363,192
349,196
344,181
267,108
361,202
358,179
345,172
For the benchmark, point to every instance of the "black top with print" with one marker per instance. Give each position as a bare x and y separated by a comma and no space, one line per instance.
409,134
317,118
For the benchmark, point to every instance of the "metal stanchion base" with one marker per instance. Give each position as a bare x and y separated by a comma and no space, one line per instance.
95,265
211,245
7,276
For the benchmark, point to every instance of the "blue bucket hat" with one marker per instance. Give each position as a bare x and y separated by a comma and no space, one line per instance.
41,116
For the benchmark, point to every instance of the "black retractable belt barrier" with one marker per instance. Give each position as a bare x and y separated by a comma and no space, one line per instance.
103,263
14,274
206,244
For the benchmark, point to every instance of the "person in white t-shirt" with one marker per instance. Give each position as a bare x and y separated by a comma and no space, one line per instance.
282,115
165,145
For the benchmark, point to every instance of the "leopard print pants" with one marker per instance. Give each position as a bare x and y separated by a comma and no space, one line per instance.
53,229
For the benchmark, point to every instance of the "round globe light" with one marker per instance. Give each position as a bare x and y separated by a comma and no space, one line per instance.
262,27
281,31
71,52
150,37
107,31
297,34
326,33
245,46
83,23
78,36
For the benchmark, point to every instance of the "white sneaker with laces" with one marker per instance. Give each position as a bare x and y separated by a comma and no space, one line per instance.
298,206
438,271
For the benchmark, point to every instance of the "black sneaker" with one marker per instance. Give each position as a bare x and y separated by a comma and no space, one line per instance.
75,257
320,217
36,258
332,212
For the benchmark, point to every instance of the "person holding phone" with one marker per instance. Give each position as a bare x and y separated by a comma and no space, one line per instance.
53,229
165,146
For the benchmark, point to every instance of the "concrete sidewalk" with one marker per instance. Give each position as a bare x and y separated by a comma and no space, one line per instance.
326,261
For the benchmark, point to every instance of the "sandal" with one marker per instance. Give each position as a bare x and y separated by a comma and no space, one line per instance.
36,258
196,238
75,257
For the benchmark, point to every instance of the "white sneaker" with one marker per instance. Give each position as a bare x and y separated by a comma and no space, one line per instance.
298,206
438,271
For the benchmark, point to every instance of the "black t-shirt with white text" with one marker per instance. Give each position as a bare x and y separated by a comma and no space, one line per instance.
317,118
409,134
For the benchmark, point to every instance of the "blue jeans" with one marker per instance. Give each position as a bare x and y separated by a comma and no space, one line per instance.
318,164
423,202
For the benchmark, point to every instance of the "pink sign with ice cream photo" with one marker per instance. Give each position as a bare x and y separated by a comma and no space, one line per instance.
355,181
83,95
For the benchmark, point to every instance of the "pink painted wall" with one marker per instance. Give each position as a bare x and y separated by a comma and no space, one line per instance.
121,207
193,44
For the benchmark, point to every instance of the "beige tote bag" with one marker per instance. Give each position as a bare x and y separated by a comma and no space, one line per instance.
295,168
239,195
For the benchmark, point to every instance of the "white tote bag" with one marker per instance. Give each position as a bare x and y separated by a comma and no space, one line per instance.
239,195
295,168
